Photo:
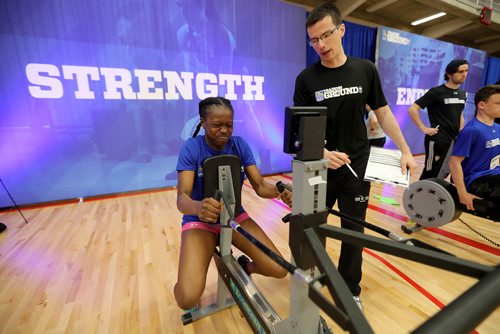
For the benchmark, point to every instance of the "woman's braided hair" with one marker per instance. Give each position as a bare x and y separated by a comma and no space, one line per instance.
208,102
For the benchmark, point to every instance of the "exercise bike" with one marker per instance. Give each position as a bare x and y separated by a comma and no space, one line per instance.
311,266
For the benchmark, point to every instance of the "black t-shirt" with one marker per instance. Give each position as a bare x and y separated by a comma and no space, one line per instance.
444,107
345,91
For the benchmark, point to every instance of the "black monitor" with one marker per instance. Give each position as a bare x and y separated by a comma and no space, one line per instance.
304,133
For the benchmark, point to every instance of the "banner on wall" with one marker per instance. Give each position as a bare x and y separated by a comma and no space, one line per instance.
98,97
410,64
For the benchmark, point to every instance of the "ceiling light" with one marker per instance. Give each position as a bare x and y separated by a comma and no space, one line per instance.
428,18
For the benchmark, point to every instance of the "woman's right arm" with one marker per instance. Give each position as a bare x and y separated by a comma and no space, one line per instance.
207,210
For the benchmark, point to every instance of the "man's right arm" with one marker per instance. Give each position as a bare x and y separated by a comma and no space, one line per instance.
415,116
457,175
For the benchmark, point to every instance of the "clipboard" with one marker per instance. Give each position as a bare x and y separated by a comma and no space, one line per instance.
384,167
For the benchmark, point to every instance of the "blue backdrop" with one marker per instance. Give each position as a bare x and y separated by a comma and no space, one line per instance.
411,64
98,96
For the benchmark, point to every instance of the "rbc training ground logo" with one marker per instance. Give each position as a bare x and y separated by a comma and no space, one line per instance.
394,37
337,91
320,95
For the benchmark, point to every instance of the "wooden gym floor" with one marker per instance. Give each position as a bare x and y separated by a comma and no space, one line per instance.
109,266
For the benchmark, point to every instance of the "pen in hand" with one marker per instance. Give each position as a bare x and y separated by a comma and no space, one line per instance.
350,168
436,129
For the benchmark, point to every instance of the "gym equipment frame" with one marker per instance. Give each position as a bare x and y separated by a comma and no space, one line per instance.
311,266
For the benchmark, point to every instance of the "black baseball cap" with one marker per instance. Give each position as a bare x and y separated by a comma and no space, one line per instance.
453,66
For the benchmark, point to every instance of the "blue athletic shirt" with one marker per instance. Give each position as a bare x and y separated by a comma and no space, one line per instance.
195,151
480,145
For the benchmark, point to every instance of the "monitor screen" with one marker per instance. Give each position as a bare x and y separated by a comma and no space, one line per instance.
292,142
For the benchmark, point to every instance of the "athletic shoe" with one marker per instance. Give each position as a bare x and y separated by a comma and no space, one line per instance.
192,309
243,261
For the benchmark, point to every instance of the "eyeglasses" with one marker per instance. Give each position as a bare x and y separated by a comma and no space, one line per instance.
314,41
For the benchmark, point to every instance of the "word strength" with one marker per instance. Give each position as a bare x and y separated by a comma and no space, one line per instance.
48,81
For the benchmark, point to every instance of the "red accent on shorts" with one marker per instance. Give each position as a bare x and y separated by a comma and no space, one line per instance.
214,228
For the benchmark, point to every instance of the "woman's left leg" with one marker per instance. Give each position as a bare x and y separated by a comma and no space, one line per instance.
261,263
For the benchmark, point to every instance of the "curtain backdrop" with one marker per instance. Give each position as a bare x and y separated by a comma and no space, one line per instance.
492,72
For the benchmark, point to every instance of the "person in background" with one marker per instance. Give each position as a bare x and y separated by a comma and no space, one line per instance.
475,161
445,105
345,85
374,132
200,227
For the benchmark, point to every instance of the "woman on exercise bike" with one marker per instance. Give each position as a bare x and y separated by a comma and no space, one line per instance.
200,227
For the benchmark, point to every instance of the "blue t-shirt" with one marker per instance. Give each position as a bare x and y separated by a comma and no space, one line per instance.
196,150
480,145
